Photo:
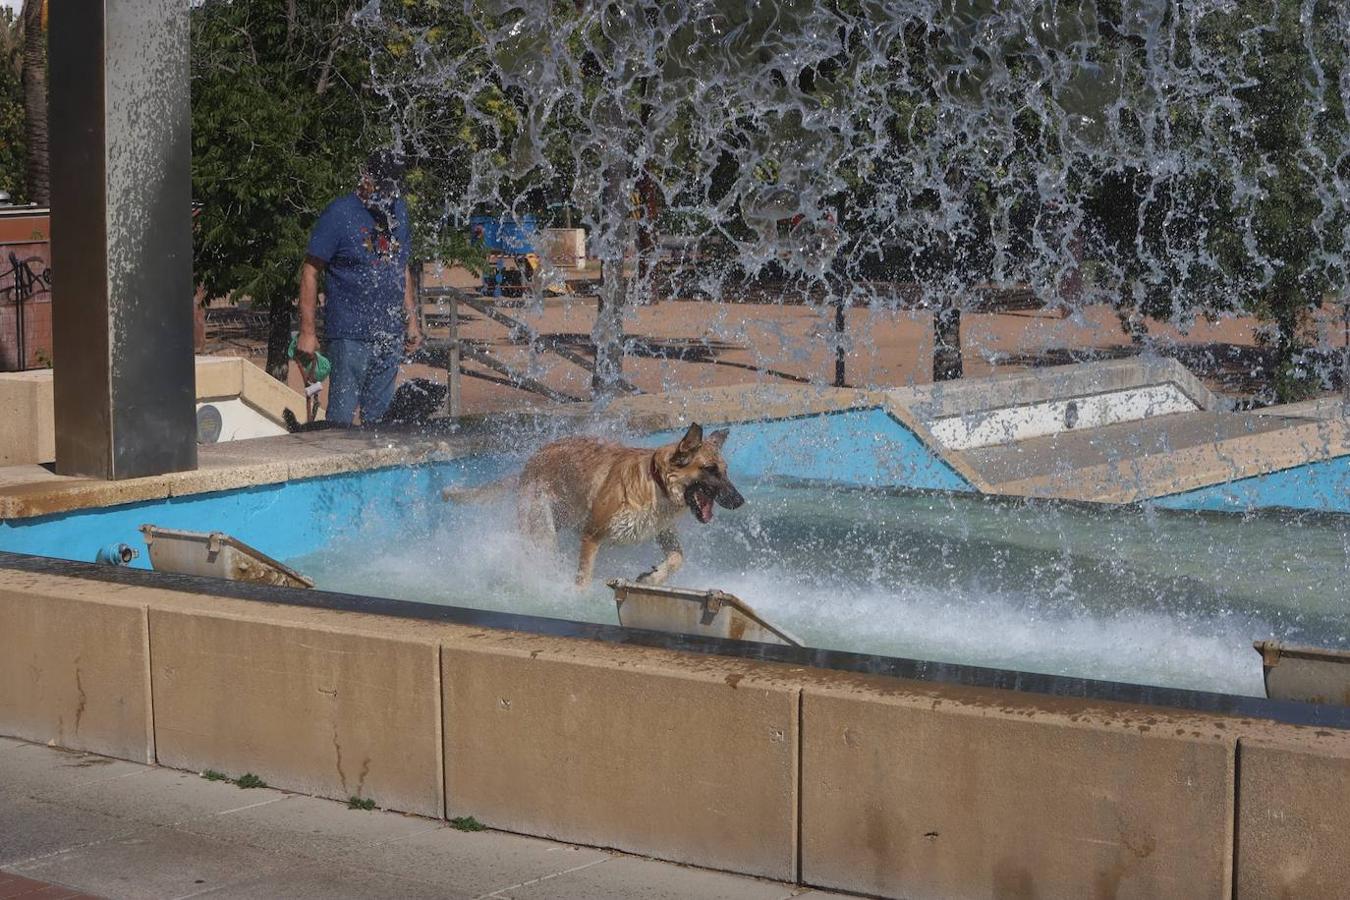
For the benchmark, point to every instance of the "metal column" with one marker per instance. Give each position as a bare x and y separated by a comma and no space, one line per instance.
121,155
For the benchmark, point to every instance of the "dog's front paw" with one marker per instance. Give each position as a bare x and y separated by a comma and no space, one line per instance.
652,576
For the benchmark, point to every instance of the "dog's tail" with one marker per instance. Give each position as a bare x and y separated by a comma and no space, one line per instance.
485,493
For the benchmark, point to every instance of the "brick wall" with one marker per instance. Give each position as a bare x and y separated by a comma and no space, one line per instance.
24,237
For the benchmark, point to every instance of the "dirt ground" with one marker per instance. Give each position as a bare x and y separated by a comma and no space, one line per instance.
676,344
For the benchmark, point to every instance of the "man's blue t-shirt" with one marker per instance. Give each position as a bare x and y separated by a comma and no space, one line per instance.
366,265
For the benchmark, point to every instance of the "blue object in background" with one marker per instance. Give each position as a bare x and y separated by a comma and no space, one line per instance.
514,236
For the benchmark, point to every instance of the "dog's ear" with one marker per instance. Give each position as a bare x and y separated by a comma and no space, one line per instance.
718,438
689,444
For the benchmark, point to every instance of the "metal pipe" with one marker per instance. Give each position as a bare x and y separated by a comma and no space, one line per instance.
116,555
1345,354
452,397
840,325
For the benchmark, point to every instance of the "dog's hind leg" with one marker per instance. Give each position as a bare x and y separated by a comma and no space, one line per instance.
534,514
669,542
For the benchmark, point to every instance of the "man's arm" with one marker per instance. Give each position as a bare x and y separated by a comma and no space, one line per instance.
414,339
308,342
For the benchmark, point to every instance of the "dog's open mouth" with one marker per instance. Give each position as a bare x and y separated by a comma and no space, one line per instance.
700,500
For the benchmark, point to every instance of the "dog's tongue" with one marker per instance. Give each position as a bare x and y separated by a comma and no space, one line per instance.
705,508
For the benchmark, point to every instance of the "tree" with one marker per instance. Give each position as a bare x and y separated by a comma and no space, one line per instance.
283,115
35,99
280,121
13,152
1190,155
607,107
1294,154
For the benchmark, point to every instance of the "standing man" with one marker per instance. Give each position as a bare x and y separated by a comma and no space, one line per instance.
362,242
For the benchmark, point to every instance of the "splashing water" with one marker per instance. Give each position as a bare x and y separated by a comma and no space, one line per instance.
1129,595
907,154
912,155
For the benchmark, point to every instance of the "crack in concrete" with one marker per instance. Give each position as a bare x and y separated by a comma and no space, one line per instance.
522,884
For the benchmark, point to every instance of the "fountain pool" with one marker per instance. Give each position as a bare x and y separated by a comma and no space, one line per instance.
830,548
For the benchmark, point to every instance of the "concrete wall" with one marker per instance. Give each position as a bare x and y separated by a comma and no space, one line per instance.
27,435
1293,811
867,784
640,751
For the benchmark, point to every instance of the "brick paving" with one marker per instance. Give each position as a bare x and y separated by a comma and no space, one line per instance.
14,887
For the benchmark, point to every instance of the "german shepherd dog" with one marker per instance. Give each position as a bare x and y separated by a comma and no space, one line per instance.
624,495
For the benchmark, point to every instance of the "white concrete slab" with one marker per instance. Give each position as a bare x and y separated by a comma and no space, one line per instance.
1018,423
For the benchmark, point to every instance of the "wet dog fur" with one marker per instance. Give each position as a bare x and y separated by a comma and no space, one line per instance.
612,493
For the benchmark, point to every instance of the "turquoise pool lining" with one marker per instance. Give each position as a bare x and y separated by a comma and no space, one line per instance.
860,447
291,519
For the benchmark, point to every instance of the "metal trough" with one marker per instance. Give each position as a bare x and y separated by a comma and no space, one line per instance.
683,611
216,555
1307,674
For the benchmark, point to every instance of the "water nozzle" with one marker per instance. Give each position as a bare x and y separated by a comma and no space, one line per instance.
116,555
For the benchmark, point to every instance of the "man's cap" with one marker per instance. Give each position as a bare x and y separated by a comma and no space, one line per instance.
385,165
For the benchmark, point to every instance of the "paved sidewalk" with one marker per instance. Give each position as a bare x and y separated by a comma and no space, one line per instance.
104,827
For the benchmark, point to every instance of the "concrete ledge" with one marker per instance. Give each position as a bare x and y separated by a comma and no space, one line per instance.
75,674
1162,474
901,788
327,713
220,377
1293,834
957,461
740,403
29,435
975,798
26,403
267,395
33,491
692,761
1030,386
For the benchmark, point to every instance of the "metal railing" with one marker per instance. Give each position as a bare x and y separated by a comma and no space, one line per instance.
447,302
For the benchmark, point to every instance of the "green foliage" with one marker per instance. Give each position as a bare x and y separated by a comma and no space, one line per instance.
355,802
247,780
13,146
1227,199
440,138
467,823
1296,124
279,128
283,115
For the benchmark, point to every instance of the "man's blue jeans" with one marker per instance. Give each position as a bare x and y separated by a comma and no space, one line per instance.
363,375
